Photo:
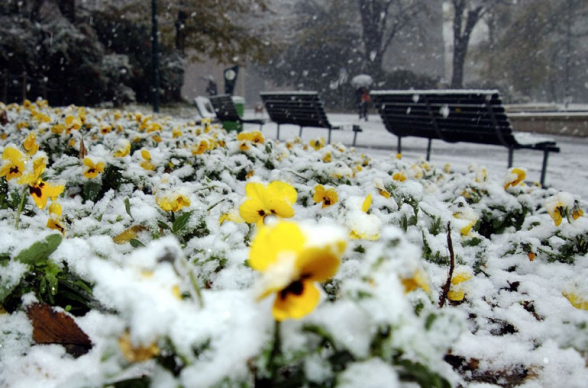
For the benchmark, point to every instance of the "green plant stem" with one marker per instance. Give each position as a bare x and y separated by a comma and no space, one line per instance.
215,204
193,281
23,198
196,288
276,351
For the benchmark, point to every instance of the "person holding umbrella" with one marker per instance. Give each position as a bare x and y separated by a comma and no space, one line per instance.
362,95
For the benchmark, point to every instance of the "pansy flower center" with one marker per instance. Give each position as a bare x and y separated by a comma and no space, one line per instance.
37,190
295,288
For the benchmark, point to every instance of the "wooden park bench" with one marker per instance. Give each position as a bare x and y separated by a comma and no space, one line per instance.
472,116
304,109
225,110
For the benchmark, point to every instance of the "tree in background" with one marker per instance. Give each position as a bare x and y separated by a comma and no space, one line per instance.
326,43
466,15
321,51
381,22
43,54
71,53
536,50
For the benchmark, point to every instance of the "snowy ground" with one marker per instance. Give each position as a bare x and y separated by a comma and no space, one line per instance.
159,235
566,171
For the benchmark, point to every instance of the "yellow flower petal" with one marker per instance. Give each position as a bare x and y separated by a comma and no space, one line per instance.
134,353
13,163
42,191
297,300
273,242
367,203
318,264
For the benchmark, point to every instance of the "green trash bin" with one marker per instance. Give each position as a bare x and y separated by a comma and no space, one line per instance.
240,106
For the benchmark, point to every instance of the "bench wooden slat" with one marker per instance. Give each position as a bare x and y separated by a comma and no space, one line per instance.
304,109
476,116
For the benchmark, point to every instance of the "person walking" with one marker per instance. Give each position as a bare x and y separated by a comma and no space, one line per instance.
365,100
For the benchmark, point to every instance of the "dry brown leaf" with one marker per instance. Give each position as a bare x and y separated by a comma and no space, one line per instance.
83,150
54,327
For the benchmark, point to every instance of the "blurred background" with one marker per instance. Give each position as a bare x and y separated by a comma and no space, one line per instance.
101,52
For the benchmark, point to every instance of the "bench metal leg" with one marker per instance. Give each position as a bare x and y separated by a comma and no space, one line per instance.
354,137
278,132
429,150
399,148
510,156
329,137
544,168
300,133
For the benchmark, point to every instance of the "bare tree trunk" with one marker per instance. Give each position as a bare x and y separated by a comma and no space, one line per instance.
463,25
372,25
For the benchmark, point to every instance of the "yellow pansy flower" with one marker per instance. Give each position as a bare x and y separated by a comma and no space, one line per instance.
13,163
327,196
418,280
176,132
291,265
30,144
41,191
146,163
92,169
381,189
105,129
254,137
514,177
58,129
55,222
317,143
134,353
276,199
465,221
399,176
31,177
456,292
200,147
172,202
72,122
362,225
123,149
243,145
22,124
559,205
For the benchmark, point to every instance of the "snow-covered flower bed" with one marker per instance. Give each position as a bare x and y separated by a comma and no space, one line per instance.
157,252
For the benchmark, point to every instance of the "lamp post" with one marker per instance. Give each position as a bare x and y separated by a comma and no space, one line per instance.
154,57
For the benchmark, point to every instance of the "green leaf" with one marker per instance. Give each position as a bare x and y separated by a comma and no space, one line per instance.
4,259
180,223
419,373
39,251
136,243
163,225
128,207
92,190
